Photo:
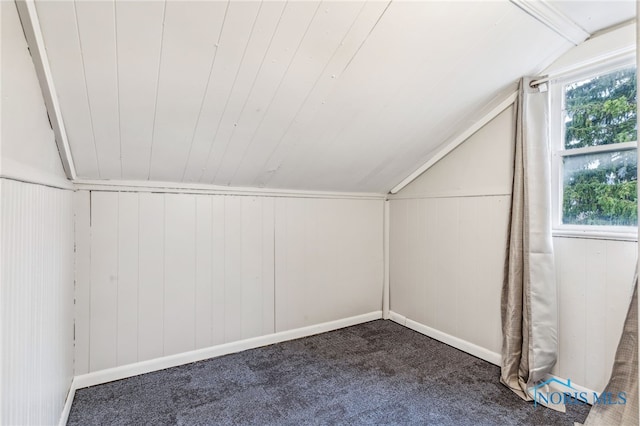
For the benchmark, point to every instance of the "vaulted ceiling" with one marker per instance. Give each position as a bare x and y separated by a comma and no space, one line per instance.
315,95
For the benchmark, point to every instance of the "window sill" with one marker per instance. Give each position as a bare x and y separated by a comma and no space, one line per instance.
595,234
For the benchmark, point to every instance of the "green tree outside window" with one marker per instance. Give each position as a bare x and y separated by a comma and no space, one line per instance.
601,188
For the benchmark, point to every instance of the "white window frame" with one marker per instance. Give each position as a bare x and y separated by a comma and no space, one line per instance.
556,138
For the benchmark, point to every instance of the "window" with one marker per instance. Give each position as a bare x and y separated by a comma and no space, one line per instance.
595,159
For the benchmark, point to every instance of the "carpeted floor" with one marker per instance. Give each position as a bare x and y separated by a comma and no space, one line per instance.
373,373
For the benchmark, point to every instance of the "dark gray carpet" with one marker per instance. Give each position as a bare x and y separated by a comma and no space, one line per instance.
373,373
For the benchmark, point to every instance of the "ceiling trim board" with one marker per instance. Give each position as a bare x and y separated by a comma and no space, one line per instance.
613,44
503,104
35,41
553,19
40,180
197,188
599,64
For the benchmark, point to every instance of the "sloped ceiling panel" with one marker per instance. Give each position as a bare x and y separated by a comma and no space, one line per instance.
595,15
343,96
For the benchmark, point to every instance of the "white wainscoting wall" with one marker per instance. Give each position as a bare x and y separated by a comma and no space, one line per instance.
448,240
165,273
447,258
595,280
447,250
36,302
36,246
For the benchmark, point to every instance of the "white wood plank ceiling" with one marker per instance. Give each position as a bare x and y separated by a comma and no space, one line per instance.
313,95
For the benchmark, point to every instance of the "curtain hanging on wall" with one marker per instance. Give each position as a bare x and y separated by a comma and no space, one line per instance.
624,376
529,305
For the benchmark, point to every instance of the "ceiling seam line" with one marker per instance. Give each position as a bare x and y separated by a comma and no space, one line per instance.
306,99
342,129
206,89
253,84
407,133
115,32
155,108
268,108
233,86
86,89
367,37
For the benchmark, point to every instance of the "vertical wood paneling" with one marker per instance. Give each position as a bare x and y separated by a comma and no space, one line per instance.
448,234
594,287
399,224
232,268
621,258
36,294
286,230
127,350
571,315
204,270
252,246
469,247
595,319
82,218
104,280
432,244
179,273
492,233
328,260
151,223
447,262
268,266
413,254
356,227
218,306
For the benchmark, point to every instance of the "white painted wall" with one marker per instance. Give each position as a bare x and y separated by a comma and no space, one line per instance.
448,241
595,280
162,274
36,246
36,302
28,150
329,260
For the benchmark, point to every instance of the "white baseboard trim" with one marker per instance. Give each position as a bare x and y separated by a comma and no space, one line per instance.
122,372
396,317
456,342
489,356
559,385
67,404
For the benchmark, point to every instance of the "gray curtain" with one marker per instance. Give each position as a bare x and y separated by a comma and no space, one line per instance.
624,376
529,305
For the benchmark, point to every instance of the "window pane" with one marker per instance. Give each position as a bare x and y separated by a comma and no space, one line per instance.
601,110
600,189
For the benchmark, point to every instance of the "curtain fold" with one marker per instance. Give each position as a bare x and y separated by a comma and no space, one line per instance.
624,376
529,305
